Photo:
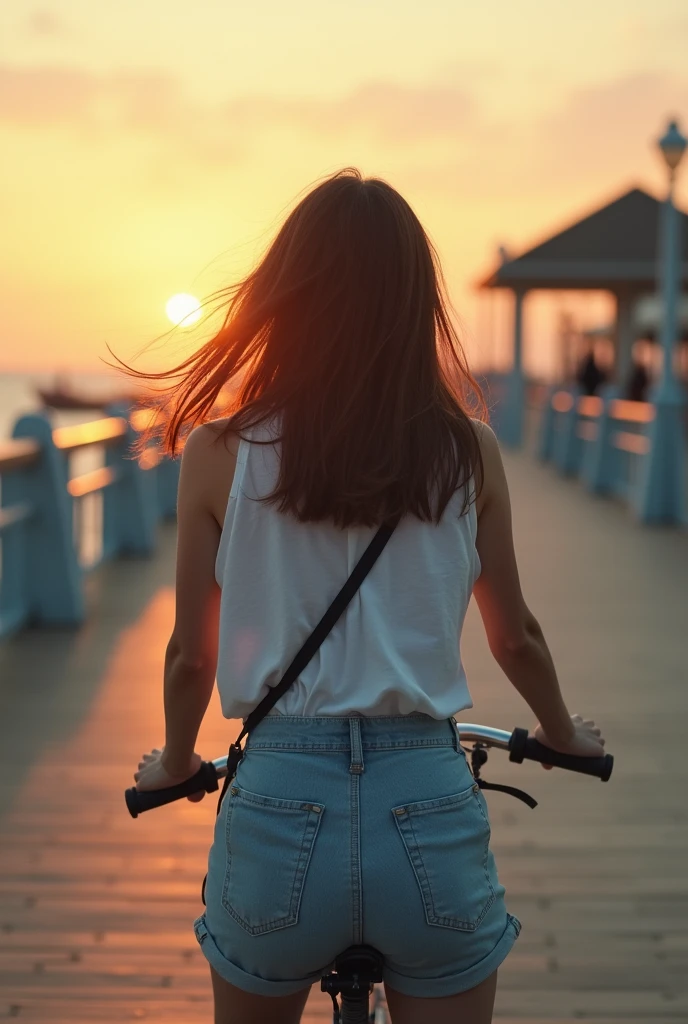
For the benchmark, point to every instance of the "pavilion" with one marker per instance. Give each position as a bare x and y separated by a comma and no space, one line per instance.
613,249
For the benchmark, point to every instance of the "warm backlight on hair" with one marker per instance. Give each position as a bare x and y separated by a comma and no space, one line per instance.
183,310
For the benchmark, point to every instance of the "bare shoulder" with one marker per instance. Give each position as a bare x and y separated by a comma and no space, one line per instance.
487,438
208,465
205,440
492,467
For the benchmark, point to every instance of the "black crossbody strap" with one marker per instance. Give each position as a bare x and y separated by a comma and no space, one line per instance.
301,659
311,645
326,624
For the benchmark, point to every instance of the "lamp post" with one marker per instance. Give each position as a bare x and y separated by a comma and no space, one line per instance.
662,491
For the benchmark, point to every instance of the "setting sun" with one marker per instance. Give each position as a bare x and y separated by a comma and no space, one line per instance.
183,310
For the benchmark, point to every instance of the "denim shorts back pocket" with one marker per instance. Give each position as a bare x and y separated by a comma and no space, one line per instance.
447,841
269,845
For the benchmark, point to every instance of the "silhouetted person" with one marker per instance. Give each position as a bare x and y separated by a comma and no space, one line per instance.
637,383
589,375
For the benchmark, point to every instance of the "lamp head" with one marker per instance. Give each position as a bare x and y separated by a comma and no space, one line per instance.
672,145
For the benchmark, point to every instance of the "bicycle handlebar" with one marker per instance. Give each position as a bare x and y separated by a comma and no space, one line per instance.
205,780
519,744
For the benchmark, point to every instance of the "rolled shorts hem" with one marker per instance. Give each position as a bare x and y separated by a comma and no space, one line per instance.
453,984
428,988
235,976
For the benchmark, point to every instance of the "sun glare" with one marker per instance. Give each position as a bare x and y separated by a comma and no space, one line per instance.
183,310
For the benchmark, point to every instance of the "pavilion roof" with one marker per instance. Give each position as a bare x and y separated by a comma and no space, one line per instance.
614,247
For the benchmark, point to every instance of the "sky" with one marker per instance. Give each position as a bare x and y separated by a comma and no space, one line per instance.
151,147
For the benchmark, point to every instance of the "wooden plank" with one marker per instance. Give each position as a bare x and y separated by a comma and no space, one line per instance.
94,480
17,453
150,458
632,412
619,1004
636,444
147,419
562,401
590,405
105,431
105,904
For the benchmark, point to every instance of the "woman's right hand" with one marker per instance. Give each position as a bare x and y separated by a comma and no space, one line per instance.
587,740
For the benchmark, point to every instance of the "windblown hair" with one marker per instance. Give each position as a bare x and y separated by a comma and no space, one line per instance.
343,332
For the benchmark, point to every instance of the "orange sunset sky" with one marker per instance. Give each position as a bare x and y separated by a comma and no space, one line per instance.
152,146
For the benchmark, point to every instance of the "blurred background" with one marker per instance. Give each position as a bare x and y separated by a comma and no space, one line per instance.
150,150
153,149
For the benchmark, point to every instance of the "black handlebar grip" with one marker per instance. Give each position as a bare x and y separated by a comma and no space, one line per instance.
205,779
521,746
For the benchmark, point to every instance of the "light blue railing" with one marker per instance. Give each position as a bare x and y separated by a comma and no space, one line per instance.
604,441
47,544
509,398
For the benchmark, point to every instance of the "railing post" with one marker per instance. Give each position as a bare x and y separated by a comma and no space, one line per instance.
566,446
600,458
660,493
130,506
14,609
546,428
53,585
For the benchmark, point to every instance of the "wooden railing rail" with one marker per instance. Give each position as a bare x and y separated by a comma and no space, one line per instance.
605,440
106,432
15,454
41,510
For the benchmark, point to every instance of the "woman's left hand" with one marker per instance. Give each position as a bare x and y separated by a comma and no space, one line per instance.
153,775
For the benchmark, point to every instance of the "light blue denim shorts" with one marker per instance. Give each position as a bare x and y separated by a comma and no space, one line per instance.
338,831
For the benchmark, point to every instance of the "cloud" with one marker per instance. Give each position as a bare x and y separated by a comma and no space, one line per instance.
603,127
599,133
123,105
43,22
388,111
437,135
37,96
158,105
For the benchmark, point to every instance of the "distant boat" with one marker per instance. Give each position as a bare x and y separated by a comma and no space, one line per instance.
62,398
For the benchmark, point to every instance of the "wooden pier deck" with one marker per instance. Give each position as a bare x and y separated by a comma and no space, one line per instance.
96,909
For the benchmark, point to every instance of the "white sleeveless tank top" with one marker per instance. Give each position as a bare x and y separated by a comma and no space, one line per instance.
394,651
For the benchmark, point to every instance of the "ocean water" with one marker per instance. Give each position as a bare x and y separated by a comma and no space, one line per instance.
18,395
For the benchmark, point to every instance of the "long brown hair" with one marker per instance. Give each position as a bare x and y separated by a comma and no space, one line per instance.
343,331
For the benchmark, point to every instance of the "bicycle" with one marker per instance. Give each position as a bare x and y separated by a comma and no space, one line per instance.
357,972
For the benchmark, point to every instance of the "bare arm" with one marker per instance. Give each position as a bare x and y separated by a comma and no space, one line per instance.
191,656
513,633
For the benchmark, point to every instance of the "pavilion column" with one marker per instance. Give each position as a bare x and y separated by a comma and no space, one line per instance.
512,420
624,336
661,497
